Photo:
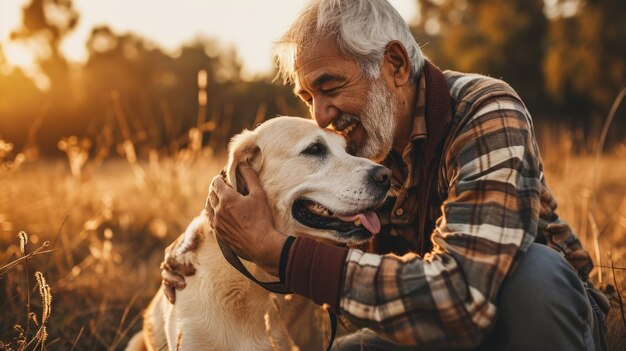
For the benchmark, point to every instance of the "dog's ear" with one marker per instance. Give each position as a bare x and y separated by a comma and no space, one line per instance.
242,148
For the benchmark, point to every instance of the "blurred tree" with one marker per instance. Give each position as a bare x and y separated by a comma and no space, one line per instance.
585,64
44,24
18,103
502,38
128,87
3,60
158,93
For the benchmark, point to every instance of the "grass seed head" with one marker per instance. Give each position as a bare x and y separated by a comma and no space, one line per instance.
42,335
23,241
32,316
46,297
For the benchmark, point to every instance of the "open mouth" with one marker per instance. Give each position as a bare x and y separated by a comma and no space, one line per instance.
359,226
345,124
349,128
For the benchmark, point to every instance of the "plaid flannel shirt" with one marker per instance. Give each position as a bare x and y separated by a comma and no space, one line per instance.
496,205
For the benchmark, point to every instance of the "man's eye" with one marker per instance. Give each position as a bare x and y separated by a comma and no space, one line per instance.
330,91
316,149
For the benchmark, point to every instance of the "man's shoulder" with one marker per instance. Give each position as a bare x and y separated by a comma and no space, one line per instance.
473,87
484,103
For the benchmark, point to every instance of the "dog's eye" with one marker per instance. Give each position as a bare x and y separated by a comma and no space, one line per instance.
315,149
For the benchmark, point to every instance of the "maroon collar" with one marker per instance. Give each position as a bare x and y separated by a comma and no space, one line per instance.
438,110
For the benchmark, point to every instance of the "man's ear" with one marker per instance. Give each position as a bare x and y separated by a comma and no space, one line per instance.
397,56
242,148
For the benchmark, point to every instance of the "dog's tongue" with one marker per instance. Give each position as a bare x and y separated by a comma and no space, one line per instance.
369,220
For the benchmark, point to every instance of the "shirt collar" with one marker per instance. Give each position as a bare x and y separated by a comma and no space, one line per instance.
418,134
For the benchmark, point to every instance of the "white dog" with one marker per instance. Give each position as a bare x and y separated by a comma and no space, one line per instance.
314,188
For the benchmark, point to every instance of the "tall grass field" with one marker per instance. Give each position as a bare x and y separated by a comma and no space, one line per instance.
81,239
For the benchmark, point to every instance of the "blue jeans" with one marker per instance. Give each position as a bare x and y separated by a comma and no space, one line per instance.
542,305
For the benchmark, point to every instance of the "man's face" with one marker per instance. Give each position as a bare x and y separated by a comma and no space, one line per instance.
341,98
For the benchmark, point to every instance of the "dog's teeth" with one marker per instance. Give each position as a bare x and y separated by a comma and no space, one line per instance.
357,222
319,209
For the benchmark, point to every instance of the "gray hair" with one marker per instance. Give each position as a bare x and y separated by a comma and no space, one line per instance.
362,29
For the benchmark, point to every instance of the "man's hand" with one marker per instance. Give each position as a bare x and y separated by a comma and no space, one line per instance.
245,222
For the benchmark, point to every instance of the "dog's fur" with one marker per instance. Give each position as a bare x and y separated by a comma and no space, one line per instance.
220,309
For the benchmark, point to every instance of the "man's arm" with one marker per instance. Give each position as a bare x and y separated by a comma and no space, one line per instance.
448,298
558,235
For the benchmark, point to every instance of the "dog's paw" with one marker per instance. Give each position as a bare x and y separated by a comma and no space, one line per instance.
178,260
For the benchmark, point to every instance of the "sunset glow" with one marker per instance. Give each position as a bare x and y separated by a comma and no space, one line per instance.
248,25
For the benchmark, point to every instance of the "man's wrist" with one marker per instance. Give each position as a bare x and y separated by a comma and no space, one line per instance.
315,270
272,251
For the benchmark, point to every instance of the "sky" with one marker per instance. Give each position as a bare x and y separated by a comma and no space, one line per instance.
251,26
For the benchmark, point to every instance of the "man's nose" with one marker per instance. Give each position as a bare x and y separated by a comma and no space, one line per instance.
323,113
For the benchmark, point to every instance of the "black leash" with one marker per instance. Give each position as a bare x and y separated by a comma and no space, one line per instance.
275,287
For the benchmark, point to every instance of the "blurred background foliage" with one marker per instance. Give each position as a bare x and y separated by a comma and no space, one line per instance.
157,93
566,58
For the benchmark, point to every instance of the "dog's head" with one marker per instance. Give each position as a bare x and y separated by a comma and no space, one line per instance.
313,186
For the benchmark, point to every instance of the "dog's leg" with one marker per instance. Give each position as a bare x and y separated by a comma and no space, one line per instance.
177,262
152,336
160,322
156,319
136,343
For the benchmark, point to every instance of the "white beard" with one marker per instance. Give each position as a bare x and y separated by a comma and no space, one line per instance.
378,120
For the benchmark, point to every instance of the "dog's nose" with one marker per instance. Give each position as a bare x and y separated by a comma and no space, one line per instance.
381,175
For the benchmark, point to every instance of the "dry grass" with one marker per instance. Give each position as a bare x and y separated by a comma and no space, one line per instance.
104,233
596,209
94,234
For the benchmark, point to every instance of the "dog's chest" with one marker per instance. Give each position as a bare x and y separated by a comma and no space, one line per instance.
222,309
227,318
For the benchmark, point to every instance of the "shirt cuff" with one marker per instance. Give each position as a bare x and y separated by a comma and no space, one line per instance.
315,270
284,257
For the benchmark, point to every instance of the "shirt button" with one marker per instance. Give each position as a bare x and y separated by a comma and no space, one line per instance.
399,212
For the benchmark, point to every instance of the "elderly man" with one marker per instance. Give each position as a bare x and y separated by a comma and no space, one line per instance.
469,211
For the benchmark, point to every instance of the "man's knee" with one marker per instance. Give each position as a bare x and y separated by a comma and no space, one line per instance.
543,305
544,279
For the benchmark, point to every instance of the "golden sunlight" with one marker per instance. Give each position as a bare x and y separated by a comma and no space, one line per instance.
23,56
18,54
